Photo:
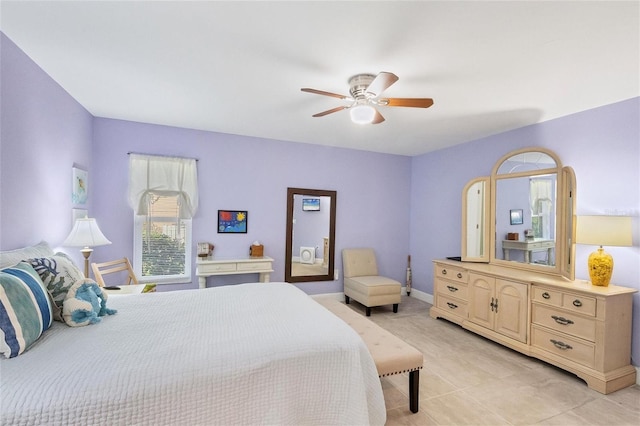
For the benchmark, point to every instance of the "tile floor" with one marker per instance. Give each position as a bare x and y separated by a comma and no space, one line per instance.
469,380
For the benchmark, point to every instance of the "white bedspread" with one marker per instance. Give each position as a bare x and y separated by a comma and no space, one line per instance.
243,354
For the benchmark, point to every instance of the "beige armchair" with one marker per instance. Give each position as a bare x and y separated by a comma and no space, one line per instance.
362,282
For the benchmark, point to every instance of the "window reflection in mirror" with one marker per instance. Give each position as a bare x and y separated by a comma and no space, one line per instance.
310,235
536,235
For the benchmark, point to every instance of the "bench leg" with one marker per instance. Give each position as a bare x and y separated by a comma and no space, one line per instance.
395,308
368,311
346,299
414,386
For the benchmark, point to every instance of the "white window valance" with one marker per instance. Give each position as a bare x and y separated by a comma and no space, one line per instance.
151,175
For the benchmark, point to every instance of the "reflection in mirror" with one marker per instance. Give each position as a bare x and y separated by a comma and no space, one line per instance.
530,161
475,221
310,236
533,238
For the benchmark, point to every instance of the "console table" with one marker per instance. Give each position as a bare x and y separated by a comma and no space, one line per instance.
528,246
249,265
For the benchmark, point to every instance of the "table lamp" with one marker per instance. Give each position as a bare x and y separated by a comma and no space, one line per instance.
603,231
86,234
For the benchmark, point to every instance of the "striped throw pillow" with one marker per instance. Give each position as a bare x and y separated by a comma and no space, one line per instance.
25,309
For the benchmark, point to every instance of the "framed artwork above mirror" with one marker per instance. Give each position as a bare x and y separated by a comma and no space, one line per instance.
310,235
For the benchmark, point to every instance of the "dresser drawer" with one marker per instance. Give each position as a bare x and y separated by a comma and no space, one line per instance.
453,289
216,267
574,302
583,304
564,322
454,306
451,273
254,266
562,345
546,296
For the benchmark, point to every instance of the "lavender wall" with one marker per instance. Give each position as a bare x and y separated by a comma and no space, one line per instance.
44,133
253,174
602,145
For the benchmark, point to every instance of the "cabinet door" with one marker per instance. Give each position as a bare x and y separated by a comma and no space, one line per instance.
511,310
481,299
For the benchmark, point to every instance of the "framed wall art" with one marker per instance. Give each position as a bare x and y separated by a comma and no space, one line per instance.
79,186
232,221
516,217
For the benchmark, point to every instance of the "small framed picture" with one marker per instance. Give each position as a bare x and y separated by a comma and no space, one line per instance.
77,214
232,221
516,217
79,186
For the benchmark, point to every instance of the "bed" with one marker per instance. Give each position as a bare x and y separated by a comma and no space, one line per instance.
257,353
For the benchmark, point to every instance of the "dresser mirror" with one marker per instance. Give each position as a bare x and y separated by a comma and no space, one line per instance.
529,218
310,239
475,221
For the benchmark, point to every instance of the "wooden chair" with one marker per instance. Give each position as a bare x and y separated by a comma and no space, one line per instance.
123,269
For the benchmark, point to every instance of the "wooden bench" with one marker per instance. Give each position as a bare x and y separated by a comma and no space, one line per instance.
391,354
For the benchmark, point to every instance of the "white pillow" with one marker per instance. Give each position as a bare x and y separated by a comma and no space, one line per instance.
13,257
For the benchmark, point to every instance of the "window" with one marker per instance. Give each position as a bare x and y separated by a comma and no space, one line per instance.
163,192
162,244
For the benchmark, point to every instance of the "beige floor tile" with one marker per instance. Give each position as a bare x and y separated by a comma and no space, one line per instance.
469,380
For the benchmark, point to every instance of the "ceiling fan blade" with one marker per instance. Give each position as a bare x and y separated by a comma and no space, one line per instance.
378,118
407,102
322,92
329,111
381,83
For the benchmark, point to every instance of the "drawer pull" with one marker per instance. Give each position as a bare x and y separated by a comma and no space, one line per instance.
560,345
577,303
444,272
452,305
452,288
459,275
546,295
561,320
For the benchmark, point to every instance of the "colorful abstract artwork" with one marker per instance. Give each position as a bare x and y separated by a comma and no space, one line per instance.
232,221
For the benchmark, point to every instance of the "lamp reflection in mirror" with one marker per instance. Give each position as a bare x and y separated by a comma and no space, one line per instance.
86,234
603,231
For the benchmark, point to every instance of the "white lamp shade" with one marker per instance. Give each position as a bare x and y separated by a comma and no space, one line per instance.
604,230
85,233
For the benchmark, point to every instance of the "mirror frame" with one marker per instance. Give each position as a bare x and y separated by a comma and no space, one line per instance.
564,212
291,192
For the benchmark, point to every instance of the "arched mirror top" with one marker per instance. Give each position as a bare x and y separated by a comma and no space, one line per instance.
527,161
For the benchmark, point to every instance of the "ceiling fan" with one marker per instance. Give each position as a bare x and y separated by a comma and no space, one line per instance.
365,90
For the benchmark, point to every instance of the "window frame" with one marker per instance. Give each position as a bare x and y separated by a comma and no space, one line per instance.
138,241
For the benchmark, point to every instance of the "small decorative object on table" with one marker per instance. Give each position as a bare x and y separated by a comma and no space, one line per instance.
256,249
513,236
528,234
205,249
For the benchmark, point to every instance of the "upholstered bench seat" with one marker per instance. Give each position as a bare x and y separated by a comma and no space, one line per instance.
391,354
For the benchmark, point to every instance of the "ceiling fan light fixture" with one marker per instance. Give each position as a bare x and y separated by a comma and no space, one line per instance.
362,114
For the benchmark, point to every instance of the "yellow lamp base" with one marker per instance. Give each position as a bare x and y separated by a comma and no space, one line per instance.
600,267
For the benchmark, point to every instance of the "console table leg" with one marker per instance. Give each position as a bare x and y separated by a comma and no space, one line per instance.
202,281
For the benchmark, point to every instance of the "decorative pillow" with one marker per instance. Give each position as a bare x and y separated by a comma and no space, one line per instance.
13,257
25,309
58,273
85,303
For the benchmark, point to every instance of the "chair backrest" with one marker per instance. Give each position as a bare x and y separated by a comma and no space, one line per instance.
121,266
359,262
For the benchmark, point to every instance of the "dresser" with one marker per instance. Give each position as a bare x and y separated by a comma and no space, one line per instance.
248,265
573,325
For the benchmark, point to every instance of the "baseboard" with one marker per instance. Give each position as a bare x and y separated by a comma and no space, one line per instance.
420,295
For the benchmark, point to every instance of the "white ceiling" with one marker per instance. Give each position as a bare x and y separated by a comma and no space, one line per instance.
237,67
